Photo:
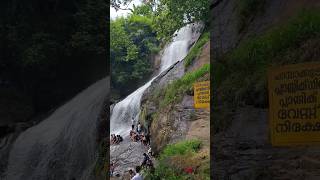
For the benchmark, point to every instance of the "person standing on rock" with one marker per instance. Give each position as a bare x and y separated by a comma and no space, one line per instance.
150,151
146,159
111,169
147,138
132,123
139,128
137,176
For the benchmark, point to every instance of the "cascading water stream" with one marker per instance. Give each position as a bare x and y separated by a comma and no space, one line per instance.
123,111
62,146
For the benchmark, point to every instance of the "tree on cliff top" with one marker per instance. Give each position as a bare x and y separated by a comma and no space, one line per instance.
170,15
133,40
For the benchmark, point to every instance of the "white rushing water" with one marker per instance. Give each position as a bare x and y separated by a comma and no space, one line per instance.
62,146
123,111
127,154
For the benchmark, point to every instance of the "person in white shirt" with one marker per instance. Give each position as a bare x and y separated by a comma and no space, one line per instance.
150,151
137,176
132,123
139,128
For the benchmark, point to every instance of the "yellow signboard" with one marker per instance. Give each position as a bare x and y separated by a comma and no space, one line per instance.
202,94
294,92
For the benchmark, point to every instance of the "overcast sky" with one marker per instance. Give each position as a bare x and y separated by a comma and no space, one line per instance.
114,13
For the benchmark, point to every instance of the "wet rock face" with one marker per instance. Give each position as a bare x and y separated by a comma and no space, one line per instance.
172,122
244,152
161,128
171,125
243,149
226,21
127,155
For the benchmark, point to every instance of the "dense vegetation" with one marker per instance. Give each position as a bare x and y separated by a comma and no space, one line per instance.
175,158
241,75
133,41
174,14
170,15
50,50
139,36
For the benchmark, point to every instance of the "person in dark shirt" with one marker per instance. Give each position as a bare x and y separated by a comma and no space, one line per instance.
145,159
147,138
131,173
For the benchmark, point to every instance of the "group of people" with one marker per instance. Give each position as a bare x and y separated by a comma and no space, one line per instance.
139,129
147,163
116,139
143,138
136,135
137,175
134,175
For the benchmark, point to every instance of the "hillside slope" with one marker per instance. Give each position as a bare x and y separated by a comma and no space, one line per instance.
168,111
279,33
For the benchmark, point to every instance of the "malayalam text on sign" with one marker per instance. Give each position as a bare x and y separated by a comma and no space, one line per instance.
202,94
294,92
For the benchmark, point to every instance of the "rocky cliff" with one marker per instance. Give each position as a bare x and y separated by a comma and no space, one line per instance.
241,142
179,120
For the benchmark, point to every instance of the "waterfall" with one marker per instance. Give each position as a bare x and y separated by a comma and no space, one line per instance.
128,108
62,146
123,111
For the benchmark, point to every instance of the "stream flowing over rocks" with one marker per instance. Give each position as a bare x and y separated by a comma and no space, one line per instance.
128,154
64,145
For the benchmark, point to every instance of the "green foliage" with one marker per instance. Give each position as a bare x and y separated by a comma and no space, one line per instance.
175,157
132,42
180,148
196,49
241,75
143,10
171,15
175,91
136,37
248,9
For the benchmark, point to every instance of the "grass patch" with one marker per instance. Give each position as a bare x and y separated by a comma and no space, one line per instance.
242,77
175,157
175,91
196,49
180,148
